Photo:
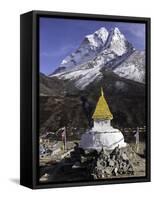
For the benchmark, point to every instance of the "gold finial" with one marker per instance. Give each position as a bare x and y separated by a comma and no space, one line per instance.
102,93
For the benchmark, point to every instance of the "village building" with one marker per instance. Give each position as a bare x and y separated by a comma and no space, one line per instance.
102,134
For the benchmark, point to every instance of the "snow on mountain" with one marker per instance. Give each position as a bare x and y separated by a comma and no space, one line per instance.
89,48
102,49
133,67
93,44
118,43
82,77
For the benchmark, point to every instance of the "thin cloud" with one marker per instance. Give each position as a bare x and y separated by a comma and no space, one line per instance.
64,50
138,31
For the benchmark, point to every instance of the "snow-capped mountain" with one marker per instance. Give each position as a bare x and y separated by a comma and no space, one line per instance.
108,50
90,47
133,67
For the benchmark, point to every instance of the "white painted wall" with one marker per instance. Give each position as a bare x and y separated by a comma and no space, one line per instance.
101,124
9,99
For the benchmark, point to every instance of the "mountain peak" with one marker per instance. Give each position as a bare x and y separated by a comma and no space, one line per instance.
118,42
102,34
101,30
112,41
98,38
116,30
117,35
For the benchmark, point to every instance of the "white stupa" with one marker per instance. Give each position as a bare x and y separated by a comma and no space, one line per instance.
102,135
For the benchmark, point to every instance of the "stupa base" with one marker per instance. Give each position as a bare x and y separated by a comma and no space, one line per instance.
97,140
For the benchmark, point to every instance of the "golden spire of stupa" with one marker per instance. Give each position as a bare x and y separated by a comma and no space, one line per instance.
102,110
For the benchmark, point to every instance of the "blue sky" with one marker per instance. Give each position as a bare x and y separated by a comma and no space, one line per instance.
60,37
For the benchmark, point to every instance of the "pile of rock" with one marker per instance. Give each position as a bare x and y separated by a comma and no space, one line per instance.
45,150
112,164
103,164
